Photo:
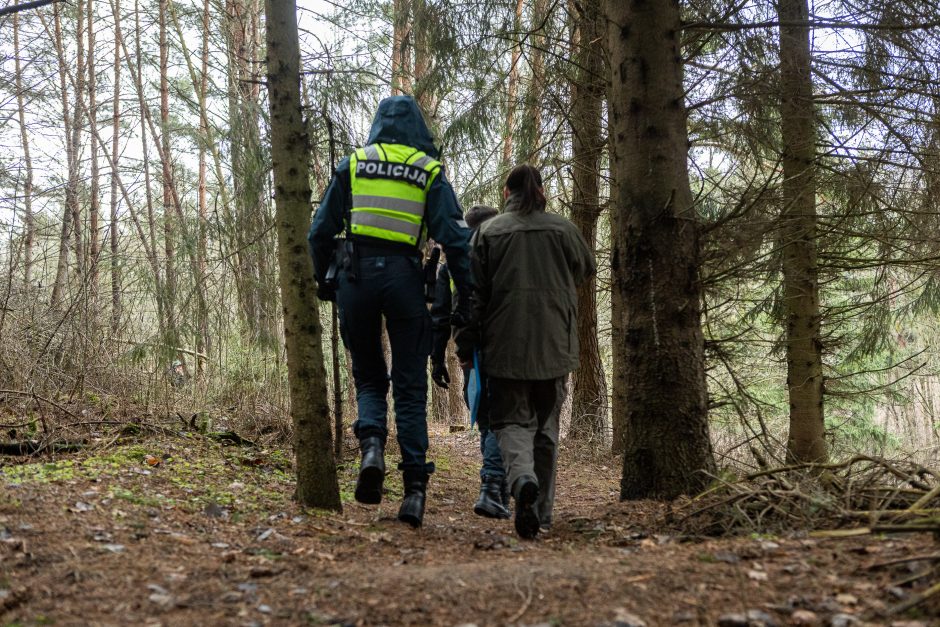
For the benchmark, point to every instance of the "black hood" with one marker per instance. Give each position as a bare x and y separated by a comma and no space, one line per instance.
399,121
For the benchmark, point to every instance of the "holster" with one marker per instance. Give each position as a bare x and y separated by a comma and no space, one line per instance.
430,274
349,260
331,280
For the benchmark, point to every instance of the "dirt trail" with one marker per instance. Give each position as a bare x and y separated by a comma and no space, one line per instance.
186,532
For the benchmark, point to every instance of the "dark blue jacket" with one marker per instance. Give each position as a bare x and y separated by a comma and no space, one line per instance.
397,121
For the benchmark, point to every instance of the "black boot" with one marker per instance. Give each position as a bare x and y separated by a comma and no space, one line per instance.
527,518
371,471
490,503
412,506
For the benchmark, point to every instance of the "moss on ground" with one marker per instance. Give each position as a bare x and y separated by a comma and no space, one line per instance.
189,475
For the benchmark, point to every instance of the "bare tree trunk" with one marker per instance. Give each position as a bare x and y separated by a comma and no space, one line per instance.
618,379
28,184
531,129
248,171
203,344
618,358
113,233
169,210
94,205
401,49
78,112
317,484
148,190
589,400
668,451
511,91
62,261
337,388
806,442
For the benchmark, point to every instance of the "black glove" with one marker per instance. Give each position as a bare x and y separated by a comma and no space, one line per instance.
326,292
439,374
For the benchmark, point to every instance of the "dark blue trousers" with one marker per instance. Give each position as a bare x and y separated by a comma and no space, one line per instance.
489,446
392,286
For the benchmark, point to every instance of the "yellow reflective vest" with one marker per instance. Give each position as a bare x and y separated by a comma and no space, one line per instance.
390,184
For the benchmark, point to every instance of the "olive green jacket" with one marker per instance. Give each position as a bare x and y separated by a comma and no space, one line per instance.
526,270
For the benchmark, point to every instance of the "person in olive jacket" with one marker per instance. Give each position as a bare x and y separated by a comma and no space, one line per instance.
526,266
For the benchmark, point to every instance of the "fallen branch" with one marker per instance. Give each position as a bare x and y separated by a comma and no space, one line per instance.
31,447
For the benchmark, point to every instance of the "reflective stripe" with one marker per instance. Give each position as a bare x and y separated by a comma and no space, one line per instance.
372,153
393,204
394,215
407,229
422,162
463,224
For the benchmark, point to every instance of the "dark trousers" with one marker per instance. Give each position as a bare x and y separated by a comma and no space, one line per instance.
489,445
524,415
392,286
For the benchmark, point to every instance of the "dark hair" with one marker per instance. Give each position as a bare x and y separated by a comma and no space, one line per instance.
478,214
526,181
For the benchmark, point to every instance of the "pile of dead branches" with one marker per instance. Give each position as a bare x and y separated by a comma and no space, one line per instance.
861,495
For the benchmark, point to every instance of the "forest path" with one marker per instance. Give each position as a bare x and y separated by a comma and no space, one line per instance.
183,531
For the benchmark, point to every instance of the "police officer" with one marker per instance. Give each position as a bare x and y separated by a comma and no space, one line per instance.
388,197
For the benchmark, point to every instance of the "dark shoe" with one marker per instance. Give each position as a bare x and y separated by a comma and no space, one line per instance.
490,503
412,506
527,519
371,471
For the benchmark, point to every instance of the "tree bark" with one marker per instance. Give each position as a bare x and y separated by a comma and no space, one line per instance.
667,450
249,169
317,484
401,49
159,290
511,91
169,210
29,235
62,260
337,387
203,341
530,131
806,442
78,111
589,399
113,233
94,200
